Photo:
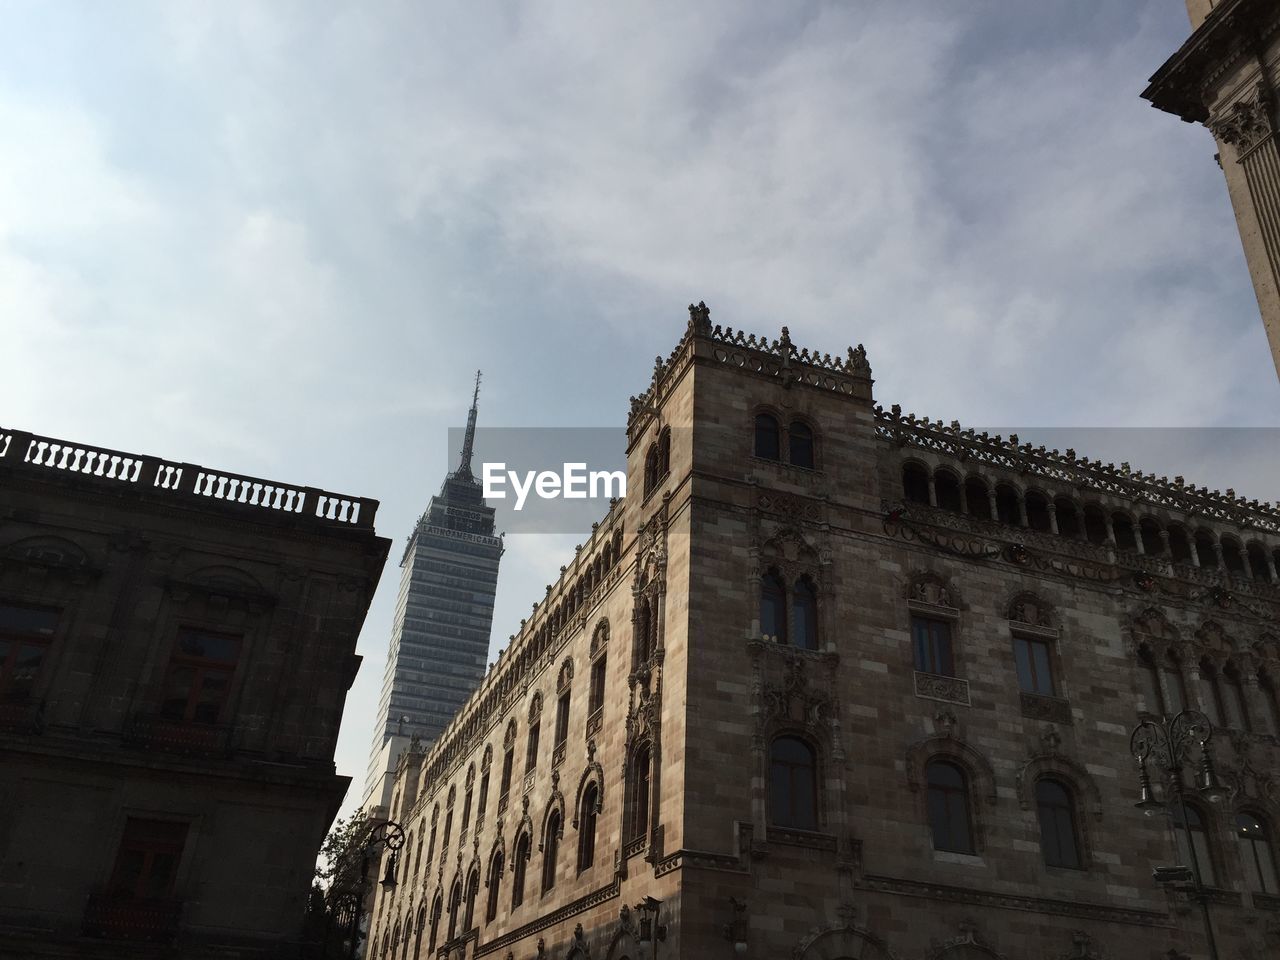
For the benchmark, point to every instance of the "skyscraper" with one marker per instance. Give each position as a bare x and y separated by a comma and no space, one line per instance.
440,634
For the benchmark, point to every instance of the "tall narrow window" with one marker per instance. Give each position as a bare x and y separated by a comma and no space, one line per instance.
793,776
1174,684
977,499
1033,660
199,678
495,887
531,748
1237,705
651,469
1122,530
146,866
448,827
946,490
664,452
455,907
1008,504
768,441
948,804
25,635
931,640
587,827
550,851
915,484
484,795
773,607
562,719
1271,702
1256,854
800,444
597,684
1199,842
415,860
1211,691
473,888
507,759
806,612
466,808
436,909
518,870
1058,838
1149,673
639,825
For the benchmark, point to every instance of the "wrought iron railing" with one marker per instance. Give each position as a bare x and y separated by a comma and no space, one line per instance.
118,917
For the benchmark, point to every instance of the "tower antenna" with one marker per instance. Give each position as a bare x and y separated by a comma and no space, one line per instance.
468,441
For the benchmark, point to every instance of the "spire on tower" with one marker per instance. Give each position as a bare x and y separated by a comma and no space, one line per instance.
468,441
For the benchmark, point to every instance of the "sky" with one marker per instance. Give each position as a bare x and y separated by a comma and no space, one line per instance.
278,238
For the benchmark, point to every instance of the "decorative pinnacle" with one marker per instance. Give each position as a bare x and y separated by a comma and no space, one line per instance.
468,442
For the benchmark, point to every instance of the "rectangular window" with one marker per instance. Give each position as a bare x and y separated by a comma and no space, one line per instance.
531,751
199,679
597,685
25,635
931,640
147,864
562,719
1035,670
484,795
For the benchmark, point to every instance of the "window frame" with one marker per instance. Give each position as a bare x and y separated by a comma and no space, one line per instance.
813,823
933,618
947,792
1257,877
133,839
17,639
1064,812
201,667
1027,640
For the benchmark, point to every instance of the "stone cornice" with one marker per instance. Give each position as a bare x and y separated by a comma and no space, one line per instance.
970,447
1230,30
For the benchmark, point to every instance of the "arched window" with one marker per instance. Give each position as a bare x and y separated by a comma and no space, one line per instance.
1149,673
915,483
1199,842
1122,528
768,438
550,851
948,804
977,498
415,856
495,887
436,909
455,907
1254,844
1179,544
664,452
521,855
800,444
1007,501
640,772
1211,691
793,784
773,607
422,926
473,888
1237,705
806,612
1258,563
1232,558
1037,511
1095,524
1205,551
946,489
651,469
587,827
1174,685
1152,543
1059,841
1068,517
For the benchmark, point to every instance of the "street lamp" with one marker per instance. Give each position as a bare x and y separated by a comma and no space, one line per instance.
386,833
1169,743
649,912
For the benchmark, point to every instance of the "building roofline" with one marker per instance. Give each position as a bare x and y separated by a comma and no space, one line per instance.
185,484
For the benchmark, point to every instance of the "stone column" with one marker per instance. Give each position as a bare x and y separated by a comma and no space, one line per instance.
1053,517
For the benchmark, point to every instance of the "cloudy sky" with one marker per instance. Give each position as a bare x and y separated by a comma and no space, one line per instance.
278,237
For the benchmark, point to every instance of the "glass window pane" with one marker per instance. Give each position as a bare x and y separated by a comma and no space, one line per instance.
1043,671
940,635
17,619
1022,661
208,646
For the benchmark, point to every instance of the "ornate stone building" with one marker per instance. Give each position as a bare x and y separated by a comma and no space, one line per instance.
837,682
176,645
1227,77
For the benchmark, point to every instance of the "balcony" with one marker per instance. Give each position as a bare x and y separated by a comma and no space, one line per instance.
932,686
152,732
116,917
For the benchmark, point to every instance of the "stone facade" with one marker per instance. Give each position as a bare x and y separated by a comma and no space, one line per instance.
1226,77
176,646
759,723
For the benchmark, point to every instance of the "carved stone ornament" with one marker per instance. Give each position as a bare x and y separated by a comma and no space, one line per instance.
793,700
1246,122
930,588
1084,947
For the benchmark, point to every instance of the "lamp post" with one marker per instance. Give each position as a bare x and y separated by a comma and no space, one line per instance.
648,911
385,833
1169,743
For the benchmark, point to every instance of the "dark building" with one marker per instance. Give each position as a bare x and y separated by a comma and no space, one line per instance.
444,611
176,646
